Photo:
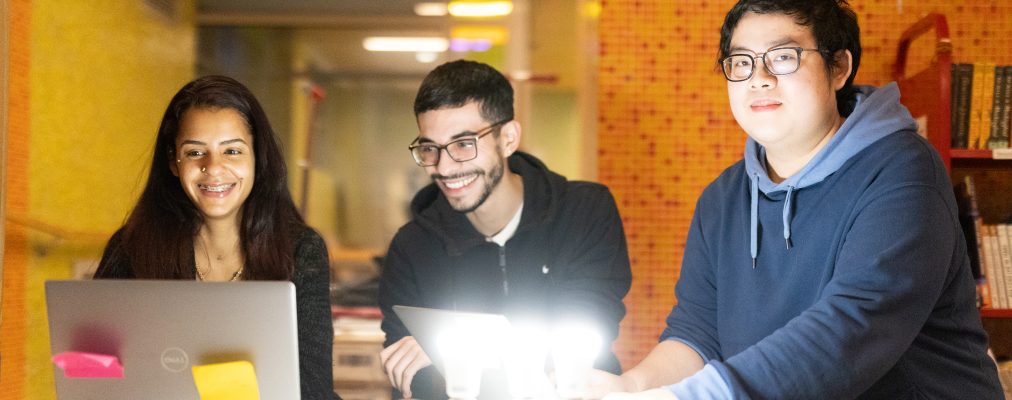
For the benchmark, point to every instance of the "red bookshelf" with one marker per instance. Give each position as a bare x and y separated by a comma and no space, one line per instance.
997,155
927,94
996,313
970,153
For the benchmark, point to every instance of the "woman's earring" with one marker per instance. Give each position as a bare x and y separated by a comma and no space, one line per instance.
203,170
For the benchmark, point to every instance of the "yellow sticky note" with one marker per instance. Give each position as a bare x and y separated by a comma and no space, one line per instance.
226,381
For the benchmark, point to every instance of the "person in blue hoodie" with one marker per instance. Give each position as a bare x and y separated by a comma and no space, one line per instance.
828,263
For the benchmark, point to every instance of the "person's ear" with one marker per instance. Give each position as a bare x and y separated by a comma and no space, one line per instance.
509,134
174,165
843,64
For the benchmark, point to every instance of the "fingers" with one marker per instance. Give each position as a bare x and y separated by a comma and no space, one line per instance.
600,383
385,356
652,394
401,361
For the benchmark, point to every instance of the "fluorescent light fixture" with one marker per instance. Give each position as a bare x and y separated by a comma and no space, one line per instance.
479,8
522,75
476,45
412,44
492,34
426,57
430,9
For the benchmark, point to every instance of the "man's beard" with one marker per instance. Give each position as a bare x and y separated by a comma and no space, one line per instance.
494,176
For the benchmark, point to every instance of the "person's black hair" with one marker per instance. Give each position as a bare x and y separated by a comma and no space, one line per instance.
459,82
157,238
833,24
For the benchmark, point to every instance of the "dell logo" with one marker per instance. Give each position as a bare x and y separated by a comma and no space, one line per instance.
175,359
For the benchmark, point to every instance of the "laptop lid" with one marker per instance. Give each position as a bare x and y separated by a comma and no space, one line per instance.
160,329
429,325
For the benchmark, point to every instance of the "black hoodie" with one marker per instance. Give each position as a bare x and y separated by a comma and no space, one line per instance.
566,261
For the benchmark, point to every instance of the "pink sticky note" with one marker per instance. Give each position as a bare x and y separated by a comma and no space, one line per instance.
77,364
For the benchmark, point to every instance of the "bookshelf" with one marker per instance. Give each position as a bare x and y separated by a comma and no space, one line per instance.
928,94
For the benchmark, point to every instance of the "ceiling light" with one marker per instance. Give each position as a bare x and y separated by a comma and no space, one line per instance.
491,34
412,44
430,9
426,57
462,45
480,8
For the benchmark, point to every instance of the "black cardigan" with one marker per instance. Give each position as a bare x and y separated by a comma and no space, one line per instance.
312,295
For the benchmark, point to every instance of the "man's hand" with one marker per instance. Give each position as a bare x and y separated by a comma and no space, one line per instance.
600,383
652,394
401,361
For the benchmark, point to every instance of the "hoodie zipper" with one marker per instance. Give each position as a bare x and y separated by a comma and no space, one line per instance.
502,267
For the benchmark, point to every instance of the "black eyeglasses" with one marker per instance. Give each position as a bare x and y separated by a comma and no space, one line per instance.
778,61
460,150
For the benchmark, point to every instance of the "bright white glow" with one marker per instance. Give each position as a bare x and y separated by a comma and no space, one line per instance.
480,9
462,363
524,361
574,350
412,44
426,57
521,75
430,9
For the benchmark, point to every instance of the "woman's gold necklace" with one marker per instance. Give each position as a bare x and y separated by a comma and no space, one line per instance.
200,275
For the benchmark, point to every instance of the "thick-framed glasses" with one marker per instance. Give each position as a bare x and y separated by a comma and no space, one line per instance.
460,150
778,61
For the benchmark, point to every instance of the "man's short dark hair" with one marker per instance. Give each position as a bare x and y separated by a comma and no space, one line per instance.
833,24
457,83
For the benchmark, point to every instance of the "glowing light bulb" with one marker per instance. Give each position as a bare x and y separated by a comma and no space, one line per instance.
524,361
462,363
573,352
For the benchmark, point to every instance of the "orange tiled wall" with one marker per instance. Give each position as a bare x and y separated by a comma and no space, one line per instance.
15,192
666,130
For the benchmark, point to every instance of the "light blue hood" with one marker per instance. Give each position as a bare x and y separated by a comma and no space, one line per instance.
877,114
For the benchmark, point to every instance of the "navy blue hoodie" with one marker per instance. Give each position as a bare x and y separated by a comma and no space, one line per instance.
850,279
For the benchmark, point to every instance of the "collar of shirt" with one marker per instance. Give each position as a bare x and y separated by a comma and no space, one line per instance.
507,232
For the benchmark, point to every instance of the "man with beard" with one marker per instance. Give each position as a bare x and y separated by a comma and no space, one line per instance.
496,231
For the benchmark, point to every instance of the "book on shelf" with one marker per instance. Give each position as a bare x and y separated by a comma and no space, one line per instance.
995,278
996,266
985,108
997,139
980,106
1001,236
972,226
1005,122
962,76
976,99
969,220
988,246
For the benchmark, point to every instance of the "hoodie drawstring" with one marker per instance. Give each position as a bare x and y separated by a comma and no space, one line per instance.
753,219
787,217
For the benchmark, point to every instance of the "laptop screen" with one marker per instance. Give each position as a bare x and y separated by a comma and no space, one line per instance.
159,330
428,324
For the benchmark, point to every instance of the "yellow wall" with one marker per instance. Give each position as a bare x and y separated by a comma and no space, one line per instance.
102,73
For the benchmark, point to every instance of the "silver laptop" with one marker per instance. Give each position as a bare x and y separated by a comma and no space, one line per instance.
426,325
160,329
